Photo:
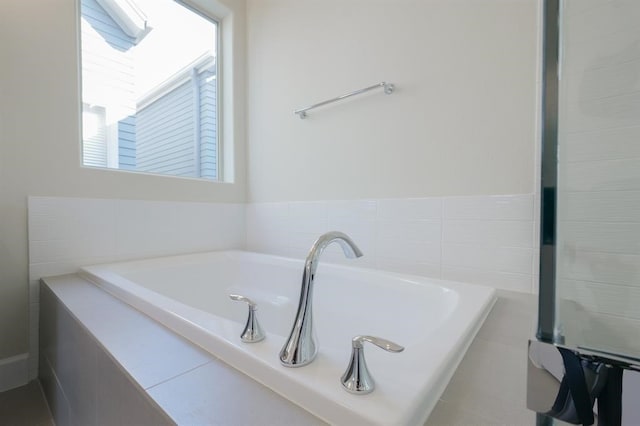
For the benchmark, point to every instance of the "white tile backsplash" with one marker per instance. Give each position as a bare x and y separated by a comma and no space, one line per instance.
66,233
486,240
76,228
405,267
352,209
510,207
142,227
488,233
352,225
496,279
503,259
423,230
402,209
489,236
308,217
300,242
410,251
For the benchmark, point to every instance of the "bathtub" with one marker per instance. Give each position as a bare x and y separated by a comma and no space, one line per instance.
434,320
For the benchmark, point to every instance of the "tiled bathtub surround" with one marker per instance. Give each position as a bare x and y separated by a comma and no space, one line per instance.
490,240
65,233
479,239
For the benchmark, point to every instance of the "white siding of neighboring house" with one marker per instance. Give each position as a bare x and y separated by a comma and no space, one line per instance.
94,148
108,82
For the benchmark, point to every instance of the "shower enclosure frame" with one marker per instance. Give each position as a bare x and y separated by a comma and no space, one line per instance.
549,170
547,330
549,336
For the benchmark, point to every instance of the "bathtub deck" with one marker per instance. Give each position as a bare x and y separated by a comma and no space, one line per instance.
104,363
488,387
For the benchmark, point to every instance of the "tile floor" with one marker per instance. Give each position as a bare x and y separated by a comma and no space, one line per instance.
25,406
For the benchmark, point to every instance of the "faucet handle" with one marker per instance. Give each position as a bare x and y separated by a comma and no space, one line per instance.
385,344
252,332
239,298
356,378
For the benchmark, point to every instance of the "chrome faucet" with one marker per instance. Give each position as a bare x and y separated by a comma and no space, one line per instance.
301,347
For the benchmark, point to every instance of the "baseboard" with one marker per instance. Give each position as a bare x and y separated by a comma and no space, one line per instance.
14,372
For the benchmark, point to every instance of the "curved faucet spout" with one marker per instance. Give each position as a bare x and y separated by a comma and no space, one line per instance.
349,248
301,347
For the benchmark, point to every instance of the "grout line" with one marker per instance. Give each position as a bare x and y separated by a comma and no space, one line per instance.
442,221
596,129
586,132
492,271
598,222
597,191
210,361
489,220
603,284
535,253
601,161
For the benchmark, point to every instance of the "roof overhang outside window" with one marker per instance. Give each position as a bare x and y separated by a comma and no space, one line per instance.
128,16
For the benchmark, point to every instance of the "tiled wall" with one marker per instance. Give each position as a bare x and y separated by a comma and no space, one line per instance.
490,240
487,240
65,233
599,175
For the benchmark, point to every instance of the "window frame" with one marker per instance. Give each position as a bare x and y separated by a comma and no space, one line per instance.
219,142
219,108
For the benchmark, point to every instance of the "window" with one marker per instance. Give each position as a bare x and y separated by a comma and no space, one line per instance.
149,88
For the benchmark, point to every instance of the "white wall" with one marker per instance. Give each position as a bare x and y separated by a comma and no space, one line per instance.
40,139
461,121
439,178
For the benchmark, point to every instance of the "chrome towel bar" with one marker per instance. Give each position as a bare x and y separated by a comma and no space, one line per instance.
388,89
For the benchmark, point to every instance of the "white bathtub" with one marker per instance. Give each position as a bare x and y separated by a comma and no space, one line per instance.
435,321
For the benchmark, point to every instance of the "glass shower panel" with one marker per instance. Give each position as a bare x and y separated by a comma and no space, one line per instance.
598,193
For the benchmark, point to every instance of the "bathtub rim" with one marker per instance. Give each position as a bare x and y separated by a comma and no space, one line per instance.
293,388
